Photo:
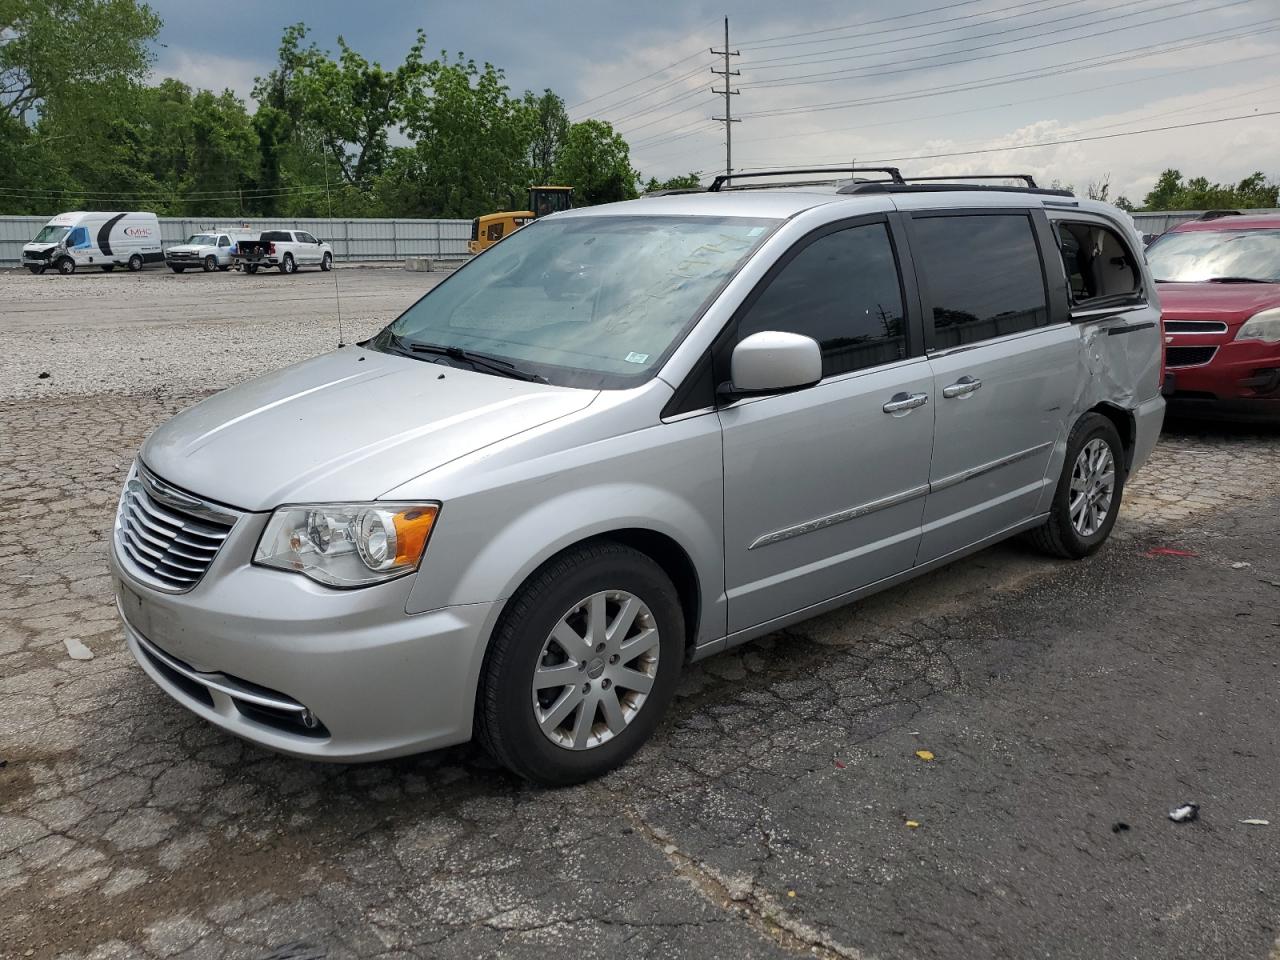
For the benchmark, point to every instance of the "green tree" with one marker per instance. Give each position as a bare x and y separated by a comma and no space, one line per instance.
549,129
688,181
1172,192
596,162
471,143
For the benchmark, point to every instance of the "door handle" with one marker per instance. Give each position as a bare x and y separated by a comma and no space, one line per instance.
962,388
903,403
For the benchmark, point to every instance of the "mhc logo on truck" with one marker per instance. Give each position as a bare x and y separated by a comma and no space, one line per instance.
103,240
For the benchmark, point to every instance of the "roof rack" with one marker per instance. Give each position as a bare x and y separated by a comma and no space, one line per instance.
1219,214
723,178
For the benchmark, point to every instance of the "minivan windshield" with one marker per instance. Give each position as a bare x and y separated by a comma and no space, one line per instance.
50,234
203,240
594,301
1223,255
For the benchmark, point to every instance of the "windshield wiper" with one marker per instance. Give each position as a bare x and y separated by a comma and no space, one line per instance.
478,361
1238,280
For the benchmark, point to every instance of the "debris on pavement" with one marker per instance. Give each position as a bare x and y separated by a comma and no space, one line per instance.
1185,812
77,650
1257,822
925,755
43,375
1119,827
840,764
913,824
1170,552
1240,565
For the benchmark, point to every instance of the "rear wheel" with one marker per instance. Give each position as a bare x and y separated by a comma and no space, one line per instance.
36,268
135,262
326,262
66,266
287,265
210,263
1087,500
581,666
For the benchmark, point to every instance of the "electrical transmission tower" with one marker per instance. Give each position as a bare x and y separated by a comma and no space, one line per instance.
727,93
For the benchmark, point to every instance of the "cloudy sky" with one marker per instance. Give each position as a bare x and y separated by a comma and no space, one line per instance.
912,82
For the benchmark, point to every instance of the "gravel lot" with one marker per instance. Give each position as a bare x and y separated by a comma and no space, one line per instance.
1068,706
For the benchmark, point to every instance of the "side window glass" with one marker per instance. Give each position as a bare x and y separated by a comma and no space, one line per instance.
1097,262
224,241
982,274
843,290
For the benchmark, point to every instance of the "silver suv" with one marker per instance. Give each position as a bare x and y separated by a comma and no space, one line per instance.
628,437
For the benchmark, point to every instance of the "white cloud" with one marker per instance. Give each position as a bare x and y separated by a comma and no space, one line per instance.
209,71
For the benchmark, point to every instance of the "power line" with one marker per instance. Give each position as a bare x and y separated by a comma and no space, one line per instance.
878,71
776,65
1037,73
1064,142
632,83
861,23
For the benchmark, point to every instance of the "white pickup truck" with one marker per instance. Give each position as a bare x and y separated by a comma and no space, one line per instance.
208,251
287,250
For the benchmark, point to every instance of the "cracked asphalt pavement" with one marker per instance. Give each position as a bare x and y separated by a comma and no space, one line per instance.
1067,707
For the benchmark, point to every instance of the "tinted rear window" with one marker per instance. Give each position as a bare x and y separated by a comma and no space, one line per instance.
982,275
277,236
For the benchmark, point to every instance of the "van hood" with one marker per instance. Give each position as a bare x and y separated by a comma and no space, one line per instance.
346,426
1232,303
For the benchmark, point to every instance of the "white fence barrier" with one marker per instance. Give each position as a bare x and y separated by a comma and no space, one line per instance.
352,238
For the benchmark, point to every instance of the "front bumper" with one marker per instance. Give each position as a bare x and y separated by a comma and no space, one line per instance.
1239,375
324,674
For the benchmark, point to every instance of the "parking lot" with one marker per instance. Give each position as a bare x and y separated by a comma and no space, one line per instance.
1067,708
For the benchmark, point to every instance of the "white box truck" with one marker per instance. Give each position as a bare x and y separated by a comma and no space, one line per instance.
90,238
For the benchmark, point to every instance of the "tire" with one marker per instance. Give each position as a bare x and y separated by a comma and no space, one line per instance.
557,596
326,262
177,269
250,268
1092,443
66,266
135,262
210,263
36,268
287,265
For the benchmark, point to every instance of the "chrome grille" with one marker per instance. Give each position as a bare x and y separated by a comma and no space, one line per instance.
168,538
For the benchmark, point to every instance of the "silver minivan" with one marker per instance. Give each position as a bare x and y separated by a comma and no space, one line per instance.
629,437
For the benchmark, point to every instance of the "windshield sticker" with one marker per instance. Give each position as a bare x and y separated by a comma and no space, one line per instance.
634,357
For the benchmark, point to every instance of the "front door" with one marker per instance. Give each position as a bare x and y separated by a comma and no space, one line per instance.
1006,366
824,488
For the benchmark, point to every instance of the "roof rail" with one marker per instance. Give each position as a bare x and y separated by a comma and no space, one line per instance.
723,178
1218,214
1026,178
883,186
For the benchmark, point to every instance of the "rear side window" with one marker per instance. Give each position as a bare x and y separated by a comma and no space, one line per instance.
842,290
982,274
1097,262
277,236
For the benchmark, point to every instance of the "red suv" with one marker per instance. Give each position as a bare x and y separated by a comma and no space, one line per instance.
1220,292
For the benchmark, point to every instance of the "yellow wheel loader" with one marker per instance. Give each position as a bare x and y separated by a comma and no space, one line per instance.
492,227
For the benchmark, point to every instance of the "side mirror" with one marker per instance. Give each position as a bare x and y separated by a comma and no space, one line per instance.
772,362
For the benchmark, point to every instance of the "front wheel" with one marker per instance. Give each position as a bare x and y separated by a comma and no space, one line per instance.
66,266
287,265
326,263
135,262
581,665
210,263
1087,499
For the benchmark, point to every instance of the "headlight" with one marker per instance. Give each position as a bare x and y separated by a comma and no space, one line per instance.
347,544
1264,326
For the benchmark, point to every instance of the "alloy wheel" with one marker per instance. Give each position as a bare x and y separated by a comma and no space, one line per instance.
1093,486
595,670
